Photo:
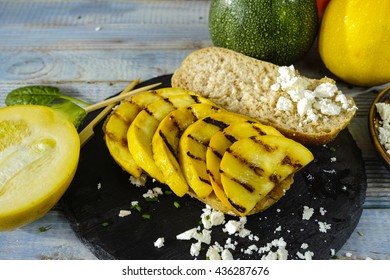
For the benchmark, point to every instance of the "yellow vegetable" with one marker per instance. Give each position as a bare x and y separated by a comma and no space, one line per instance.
221,141
39,153
142,129
118,123
193,148
354,41
165,143
252,167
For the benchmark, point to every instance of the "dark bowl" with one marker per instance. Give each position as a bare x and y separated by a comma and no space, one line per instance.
375,122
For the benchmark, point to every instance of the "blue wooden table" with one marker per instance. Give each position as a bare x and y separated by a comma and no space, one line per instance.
93,49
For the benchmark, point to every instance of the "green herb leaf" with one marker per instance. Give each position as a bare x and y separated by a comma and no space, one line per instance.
48,96
43,229
38,95
136,207
176,204
146,216
105,224
151,199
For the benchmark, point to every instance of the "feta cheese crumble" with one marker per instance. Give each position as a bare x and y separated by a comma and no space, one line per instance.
325,100
211,217
237,227
203,236
324,227
307,213
138,182
159,242
271,254
384,128
124,213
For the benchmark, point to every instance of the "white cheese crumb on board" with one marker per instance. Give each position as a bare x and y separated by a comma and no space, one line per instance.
307,213
159,242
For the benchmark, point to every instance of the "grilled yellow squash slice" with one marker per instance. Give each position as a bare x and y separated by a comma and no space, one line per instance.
118,122
142,129
165,143
221,141
251,167
193,147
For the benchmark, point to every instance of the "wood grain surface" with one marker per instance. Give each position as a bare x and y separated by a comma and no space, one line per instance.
94,49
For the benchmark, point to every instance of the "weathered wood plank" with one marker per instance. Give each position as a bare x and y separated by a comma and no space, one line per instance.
77,13
87,65
94,25
59,242
93,49
370,238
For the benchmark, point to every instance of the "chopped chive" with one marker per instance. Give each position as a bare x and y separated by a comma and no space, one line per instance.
168,192
146,216
43,229
136,207
332,149
105,224
151,199
177,204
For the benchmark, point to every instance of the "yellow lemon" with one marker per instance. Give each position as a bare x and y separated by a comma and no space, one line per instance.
39,153
354,41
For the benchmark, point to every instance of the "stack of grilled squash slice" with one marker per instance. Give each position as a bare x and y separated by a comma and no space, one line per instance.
227,160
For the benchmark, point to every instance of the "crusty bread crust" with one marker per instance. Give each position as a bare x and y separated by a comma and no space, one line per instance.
243,85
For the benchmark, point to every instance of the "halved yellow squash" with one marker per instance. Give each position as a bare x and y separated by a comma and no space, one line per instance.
39,153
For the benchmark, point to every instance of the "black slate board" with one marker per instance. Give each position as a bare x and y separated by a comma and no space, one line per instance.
335,181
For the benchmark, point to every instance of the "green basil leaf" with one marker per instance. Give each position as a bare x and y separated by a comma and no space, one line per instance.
36,95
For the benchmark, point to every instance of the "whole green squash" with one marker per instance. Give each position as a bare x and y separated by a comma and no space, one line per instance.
278,31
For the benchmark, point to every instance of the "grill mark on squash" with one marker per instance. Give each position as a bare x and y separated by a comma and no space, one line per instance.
259,130
191,110
176,125
214,122
246,186
287,161
236,206
204,180
231,138
196,98
258,170
267,148
216,153
274,178
120,116
113,137
194,156
166,142
197,140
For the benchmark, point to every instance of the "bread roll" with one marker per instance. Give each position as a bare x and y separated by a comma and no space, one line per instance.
309,111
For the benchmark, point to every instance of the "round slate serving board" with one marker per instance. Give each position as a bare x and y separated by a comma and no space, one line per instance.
333,186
